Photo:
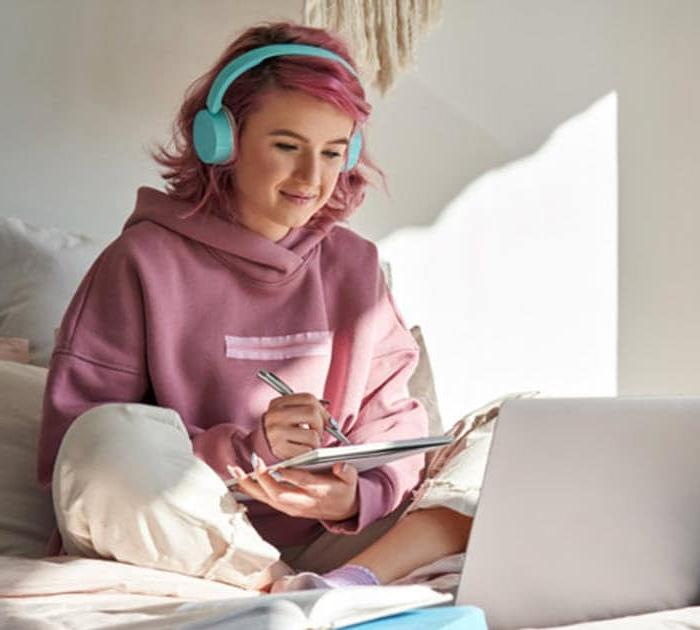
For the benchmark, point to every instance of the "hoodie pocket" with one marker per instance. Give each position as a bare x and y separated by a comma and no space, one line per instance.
306,344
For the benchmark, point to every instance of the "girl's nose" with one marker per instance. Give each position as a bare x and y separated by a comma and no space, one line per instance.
309,170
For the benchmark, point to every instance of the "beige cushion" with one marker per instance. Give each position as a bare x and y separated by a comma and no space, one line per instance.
26,515
422,386
40,269
14,349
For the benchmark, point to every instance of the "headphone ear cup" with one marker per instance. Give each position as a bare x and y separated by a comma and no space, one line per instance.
213,136
354,150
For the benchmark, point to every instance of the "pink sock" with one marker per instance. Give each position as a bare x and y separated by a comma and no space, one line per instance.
351,575
347,575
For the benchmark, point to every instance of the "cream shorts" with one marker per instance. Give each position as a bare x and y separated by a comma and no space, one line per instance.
127,486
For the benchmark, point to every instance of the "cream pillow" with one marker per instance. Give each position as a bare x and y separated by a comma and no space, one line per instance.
422,386
40,269
14,349
26,515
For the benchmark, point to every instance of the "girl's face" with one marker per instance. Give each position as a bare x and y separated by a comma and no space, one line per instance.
293,145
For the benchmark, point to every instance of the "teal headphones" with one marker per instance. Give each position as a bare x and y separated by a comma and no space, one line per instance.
214,127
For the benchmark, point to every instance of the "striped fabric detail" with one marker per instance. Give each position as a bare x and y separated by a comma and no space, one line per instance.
306,344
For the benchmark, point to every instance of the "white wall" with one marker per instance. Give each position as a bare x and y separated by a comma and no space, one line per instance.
515,283
501,87
88,85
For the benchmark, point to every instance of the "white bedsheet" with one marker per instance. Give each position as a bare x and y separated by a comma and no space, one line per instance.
77,593
680,619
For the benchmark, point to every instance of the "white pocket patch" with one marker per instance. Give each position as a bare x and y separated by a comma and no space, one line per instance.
306,344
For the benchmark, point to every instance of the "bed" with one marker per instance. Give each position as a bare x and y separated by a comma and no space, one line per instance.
40,269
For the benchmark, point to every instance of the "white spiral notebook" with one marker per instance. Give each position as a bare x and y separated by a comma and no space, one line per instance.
362,456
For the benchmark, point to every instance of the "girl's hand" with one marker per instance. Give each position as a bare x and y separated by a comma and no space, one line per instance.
324,496
294,424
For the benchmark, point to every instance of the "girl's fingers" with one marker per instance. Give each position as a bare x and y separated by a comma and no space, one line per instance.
304,479
282,413
286,420
345,472
283,448
306,438
252,489
294,400
290,449
301,493
285,497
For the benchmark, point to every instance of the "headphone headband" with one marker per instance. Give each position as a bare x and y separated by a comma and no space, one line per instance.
213,129
230,72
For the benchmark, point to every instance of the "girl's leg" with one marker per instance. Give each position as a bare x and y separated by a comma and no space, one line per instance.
419,538
127,486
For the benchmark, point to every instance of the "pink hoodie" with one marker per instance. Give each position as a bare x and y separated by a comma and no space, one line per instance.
183,312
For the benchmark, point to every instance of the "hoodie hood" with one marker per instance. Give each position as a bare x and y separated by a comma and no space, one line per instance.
264,260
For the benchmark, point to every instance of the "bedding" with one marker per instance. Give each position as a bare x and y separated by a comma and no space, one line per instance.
72,592
76,593
79,593
680,619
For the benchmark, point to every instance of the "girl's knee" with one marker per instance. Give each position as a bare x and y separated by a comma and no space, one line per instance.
120,451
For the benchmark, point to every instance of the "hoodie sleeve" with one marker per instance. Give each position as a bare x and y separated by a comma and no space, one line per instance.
99,355
226,444
387,413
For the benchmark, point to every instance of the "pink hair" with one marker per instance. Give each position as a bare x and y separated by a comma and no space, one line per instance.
212,186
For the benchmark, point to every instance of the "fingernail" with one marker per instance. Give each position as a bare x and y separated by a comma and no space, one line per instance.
255,461
236,472
276,475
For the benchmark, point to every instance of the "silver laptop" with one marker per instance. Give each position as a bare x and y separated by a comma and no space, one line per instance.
590,509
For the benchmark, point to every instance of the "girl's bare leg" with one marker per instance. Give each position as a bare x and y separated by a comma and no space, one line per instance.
417,539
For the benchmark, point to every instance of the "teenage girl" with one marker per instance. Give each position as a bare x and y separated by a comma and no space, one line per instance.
243,263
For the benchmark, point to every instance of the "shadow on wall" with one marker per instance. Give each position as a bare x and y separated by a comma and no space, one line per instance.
515,284
492,82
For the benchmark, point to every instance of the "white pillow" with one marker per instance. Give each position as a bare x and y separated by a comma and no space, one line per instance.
40,269
26,512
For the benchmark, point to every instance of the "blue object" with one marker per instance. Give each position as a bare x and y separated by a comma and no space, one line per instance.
214,127
435,618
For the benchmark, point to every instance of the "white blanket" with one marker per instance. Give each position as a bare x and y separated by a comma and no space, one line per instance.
76,593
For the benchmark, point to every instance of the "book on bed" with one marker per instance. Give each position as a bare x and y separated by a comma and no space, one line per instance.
313,609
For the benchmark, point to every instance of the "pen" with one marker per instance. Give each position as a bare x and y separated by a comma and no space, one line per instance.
282,388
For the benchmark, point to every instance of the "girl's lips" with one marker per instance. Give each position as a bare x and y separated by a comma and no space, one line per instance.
296,198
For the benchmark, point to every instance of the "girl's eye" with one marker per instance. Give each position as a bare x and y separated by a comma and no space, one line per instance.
288,147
